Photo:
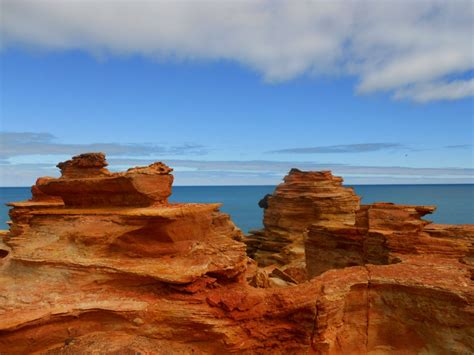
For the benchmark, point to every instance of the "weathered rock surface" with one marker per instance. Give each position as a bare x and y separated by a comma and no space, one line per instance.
421,306
135,274
314,223
85,181
303,199
385,233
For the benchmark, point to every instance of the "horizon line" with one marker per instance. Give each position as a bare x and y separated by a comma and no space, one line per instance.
257,185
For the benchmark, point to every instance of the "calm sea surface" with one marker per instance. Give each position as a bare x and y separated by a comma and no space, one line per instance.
455,202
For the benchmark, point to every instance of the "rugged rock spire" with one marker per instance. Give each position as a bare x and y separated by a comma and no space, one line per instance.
302,200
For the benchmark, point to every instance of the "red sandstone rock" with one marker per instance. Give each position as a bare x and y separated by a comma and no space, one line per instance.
84,166
385,233
420,306
315,224
174,278
86,182
39,196
304,198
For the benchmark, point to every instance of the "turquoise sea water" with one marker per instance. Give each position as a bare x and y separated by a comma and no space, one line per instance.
455,202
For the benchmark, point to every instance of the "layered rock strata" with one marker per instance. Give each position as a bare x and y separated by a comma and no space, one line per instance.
104,223
85,271
86,182
303,199
386,233
314,223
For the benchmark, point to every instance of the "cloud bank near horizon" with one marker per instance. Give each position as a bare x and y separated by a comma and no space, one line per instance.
342,148
258,172
416,50
25,156
13,144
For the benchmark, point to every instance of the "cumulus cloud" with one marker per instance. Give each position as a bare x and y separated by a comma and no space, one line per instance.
13,144
417,50
342,148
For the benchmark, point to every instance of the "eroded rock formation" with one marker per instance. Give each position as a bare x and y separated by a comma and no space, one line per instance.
100,262
315,223
303,199
86,182
386,233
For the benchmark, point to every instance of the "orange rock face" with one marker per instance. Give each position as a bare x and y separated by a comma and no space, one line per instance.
303,199
100,262
86,182
386,233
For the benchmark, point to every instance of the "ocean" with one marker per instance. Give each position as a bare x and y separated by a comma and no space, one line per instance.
455,202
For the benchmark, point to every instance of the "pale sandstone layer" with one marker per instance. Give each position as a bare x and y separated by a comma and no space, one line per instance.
85,271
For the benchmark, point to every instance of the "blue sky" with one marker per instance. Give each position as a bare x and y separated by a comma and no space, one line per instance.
223,114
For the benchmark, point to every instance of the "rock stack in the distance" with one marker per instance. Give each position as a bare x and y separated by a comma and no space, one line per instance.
303,199
101,262
314,223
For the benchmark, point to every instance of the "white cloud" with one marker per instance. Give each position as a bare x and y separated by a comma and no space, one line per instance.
440,90
412,49
17,144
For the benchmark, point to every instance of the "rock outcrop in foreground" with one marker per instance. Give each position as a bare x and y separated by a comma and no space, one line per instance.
100,262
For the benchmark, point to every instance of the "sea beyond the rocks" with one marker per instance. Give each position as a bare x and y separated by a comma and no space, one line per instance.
455,203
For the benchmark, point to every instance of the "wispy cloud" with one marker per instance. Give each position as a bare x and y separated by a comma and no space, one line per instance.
417,50
425,92
266,172
259,172
459,146
19,168
342,148
13,144
284,166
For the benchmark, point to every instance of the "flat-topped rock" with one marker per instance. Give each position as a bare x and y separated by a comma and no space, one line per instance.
85,181
175,243
176,210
